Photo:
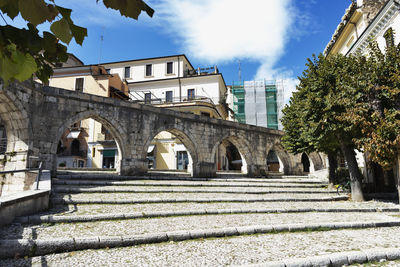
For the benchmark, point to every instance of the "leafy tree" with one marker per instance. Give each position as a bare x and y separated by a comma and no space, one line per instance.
378,115
377,112
24,52
327,89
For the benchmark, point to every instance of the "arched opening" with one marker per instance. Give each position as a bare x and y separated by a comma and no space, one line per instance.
231,155
316,162
306,163
14,136
88,143
273,162
278,160
228,157
170,150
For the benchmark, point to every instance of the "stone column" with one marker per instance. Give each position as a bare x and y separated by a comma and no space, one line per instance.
256,170
204,170
132,166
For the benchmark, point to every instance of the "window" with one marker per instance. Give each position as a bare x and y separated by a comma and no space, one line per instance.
149,70
168,96
108,71
190,93
127,72
170,68
389,37
79,84
205,114
147,98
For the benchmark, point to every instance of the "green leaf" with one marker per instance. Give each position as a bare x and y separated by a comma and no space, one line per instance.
79,33
61,30
26,66
10,7
34,11
8,68
65,12
49,43
129,8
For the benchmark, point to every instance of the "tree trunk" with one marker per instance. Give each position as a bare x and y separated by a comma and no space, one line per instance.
355,174
332,169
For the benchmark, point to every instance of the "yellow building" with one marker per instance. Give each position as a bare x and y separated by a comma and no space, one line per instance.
172,82
88,143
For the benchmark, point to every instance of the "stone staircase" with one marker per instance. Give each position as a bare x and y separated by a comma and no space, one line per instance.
105,219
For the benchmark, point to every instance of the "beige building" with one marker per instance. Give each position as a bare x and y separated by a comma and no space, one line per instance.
88,143
172,82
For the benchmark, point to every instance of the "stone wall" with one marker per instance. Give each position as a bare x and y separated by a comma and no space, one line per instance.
44,113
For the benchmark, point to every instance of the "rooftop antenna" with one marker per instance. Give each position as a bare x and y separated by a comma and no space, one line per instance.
240,71
101,43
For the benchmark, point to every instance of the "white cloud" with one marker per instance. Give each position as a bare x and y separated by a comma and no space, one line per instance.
219,31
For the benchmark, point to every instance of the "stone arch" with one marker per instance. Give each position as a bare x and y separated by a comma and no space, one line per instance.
316,160
113,126
283,156
185,138
16,123
241,144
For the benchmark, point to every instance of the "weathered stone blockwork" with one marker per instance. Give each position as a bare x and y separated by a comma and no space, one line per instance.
35,118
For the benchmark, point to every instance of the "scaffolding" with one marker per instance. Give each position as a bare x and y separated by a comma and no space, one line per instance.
258,102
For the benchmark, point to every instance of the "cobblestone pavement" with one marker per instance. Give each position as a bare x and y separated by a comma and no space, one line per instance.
238,250
112,208
228,251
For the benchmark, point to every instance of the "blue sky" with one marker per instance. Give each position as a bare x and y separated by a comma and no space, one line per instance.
271,38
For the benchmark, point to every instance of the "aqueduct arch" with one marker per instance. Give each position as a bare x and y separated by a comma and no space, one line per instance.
181,135
113,126
283,156
241,145
52,110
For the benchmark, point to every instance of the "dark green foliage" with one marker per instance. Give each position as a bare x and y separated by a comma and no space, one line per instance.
24,53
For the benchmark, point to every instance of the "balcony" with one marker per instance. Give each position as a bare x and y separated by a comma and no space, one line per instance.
201,72
175,100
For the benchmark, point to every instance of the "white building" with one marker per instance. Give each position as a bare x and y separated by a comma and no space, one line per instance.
172,82
169,79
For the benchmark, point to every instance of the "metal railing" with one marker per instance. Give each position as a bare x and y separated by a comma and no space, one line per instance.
174,100
39,169
201,71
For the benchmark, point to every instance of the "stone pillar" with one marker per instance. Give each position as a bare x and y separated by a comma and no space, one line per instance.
256,170
131,167
204,170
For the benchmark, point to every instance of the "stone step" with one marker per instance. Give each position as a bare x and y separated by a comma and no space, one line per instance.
37,247
129,199
189,179
56,181
39,219
94,209
120,189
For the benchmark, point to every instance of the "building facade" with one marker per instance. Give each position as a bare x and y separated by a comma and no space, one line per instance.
172,82
257,102
87,143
